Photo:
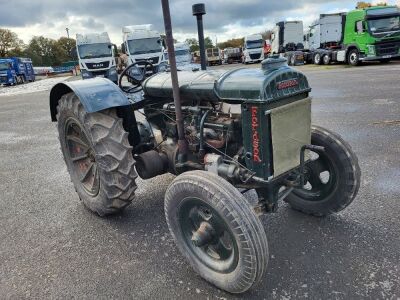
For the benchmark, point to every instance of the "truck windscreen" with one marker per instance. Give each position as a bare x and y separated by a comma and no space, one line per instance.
94,50
384,24
254,44
4,66
143,46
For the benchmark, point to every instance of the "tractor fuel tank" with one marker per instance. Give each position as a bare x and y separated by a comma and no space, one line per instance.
274,81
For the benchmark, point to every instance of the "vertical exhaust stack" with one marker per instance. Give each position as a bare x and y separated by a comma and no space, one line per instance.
182,143
199,10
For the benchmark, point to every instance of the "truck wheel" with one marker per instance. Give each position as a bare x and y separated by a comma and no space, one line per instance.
98,156
317,59
354,57
332,177
326,59
216,229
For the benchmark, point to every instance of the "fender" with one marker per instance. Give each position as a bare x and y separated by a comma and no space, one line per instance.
95,95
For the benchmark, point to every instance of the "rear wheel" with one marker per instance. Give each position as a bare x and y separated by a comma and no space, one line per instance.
98,156
326,59
217,230
317,59
332,176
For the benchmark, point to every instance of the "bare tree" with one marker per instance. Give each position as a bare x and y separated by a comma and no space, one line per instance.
8,41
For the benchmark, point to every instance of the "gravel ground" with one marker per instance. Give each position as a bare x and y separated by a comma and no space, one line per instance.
52,247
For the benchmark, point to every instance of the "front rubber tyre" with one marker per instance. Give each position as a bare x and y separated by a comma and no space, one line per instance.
354,58
216,229
332,179
98,156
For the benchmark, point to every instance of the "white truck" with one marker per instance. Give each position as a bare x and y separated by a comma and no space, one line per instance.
287,40
287,36
142,43
183,57
253,49
96,56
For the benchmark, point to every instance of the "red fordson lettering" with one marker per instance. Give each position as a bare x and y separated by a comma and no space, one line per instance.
255,135
287,84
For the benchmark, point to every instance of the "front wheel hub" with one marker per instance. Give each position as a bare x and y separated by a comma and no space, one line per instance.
203,235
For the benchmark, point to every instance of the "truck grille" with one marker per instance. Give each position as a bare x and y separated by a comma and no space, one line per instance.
3,79
154,60
99,65
387,49
255,56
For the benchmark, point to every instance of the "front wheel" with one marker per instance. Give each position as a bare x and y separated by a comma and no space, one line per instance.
332,176
217,230
354,57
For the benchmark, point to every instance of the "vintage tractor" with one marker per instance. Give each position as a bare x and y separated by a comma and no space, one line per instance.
232,131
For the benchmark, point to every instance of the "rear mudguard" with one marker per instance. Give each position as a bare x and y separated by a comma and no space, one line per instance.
95,95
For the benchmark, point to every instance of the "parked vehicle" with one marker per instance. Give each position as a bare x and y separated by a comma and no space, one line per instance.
142,43
369,34
213,56
253,49
183,57
231,55
96,56
16,70
244,128
267,48
287,40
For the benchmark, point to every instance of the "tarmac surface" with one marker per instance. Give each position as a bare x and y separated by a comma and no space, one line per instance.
52,247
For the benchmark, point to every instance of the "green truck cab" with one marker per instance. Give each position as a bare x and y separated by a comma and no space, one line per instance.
373,33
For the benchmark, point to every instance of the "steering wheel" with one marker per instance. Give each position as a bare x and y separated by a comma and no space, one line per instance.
135,75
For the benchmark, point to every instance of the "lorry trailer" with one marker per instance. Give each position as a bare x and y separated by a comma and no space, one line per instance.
231,55
287,40
16,70
369,34
96,56
213,56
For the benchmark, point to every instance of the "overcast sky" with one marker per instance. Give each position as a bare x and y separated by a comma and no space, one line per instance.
225,19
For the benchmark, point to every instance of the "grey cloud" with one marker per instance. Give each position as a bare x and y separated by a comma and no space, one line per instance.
117,13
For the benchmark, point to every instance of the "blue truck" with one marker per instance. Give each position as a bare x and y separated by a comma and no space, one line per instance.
16,70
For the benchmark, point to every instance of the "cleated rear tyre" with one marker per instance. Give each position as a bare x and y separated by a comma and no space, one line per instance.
217,230
332,177
98,156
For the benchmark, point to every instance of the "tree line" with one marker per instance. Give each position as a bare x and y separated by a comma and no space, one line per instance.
43,51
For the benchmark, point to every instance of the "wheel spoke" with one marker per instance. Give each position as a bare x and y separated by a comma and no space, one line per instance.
79,157
78,140
221,250
88,171
195,217
316,166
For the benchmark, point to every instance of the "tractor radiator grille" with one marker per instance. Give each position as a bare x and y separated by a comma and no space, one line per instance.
290,130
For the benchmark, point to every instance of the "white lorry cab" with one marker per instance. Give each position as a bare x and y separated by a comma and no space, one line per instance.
183,57
142,43
96,56
253,49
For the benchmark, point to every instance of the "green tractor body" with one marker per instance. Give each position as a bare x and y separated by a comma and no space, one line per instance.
244,129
